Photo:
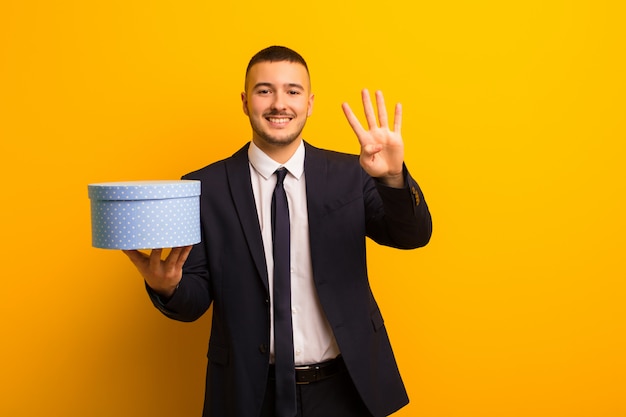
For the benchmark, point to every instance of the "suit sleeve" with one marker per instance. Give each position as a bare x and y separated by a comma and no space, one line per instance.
397,217
193,295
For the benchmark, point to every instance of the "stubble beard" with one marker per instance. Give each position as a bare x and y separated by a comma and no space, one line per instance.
274,140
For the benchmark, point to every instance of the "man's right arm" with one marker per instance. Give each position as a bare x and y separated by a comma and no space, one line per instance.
179,296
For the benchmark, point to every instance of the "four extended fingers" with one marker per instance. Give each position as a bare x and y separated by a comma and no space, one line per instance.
369,109
397,118
353,120
370,116
382,110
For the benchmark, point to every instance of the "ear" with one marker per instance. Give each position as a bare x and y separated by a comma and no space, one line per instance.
311,99
244,102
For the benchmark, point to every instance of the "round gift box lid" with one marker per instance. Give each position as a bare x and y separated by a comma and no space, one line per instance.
144,190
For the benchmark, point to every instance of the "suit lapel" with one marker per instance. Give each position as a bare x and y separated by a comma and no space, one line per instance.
238,174
315,170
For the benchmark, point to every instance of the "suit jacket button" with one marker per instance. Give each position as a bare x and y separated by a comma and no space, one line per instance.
263,348
416,195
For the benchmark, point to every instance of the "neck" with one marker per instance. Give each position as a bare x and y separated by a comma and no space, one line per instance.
279,153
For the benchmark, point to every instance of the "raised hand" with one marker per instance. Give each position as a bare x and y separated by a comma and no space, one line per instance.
382,149
161,275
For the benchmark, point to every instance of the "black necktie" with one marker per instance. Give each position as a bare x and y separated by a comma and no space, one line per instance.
283,332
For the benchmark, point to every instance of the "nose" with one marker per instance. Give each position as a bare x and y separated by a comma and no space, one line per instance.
279,102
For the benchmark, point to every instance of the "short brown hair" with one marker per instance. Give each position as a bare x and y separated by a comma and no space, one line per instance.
276,54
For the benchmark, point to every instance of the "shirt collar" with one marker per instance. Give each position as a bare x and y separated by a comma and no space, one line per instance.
266,166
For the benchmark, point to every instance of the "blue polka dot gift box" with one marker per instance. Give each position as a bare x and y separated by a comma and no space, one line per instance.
145,214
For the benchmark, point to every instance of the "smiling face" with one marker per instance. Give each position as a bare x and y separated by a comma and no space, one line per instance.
277,101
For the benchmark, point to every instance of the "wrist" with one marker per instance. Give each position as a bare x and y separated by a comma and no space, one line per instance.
394,180
164,293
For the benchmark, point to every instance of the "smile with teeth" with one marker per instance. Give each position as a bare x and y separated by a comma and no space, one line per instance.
278,120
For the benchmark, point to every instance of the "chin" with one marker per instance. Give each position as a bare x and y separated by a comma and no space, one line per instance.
278,141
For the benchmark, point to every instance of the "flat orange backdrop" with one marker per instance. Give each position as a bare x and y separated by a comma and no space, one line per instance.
515,128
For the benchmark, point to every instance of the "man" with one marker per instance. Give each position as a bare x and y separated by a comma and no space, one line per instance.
337,360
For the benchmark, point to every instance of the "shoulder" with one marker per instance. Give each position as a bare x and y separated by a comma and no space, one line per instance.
331,157
334,172
339,166
327,153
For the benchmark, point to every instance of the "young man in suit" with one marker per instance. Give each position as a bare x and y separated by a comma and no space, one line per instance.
329,354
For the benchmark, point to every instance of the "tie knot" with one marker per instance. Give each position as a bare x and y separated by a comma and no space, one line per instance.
281,173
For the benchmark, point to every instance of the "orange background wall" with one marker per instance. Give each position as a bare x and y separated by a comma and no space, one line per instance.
514,127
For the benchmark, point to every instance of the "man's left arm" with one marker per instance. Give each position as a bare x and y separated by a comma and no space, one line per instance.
405,220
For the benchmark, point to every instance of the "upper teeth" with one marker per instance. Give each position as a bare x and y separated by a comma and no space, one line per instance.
278,120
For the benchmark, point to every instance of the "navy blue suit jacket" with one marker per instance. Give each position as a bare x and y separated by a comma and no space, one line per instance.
228,270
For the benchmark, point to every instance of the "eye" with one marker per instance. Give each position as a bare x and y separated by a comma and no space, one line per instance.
263,91
293,92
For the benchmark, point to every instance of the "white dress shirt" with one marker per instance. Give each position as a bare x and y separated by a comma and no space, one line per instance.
313,338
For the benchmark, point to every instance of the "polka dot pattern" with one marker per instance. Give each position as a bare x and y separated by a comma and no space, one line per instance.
145,214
